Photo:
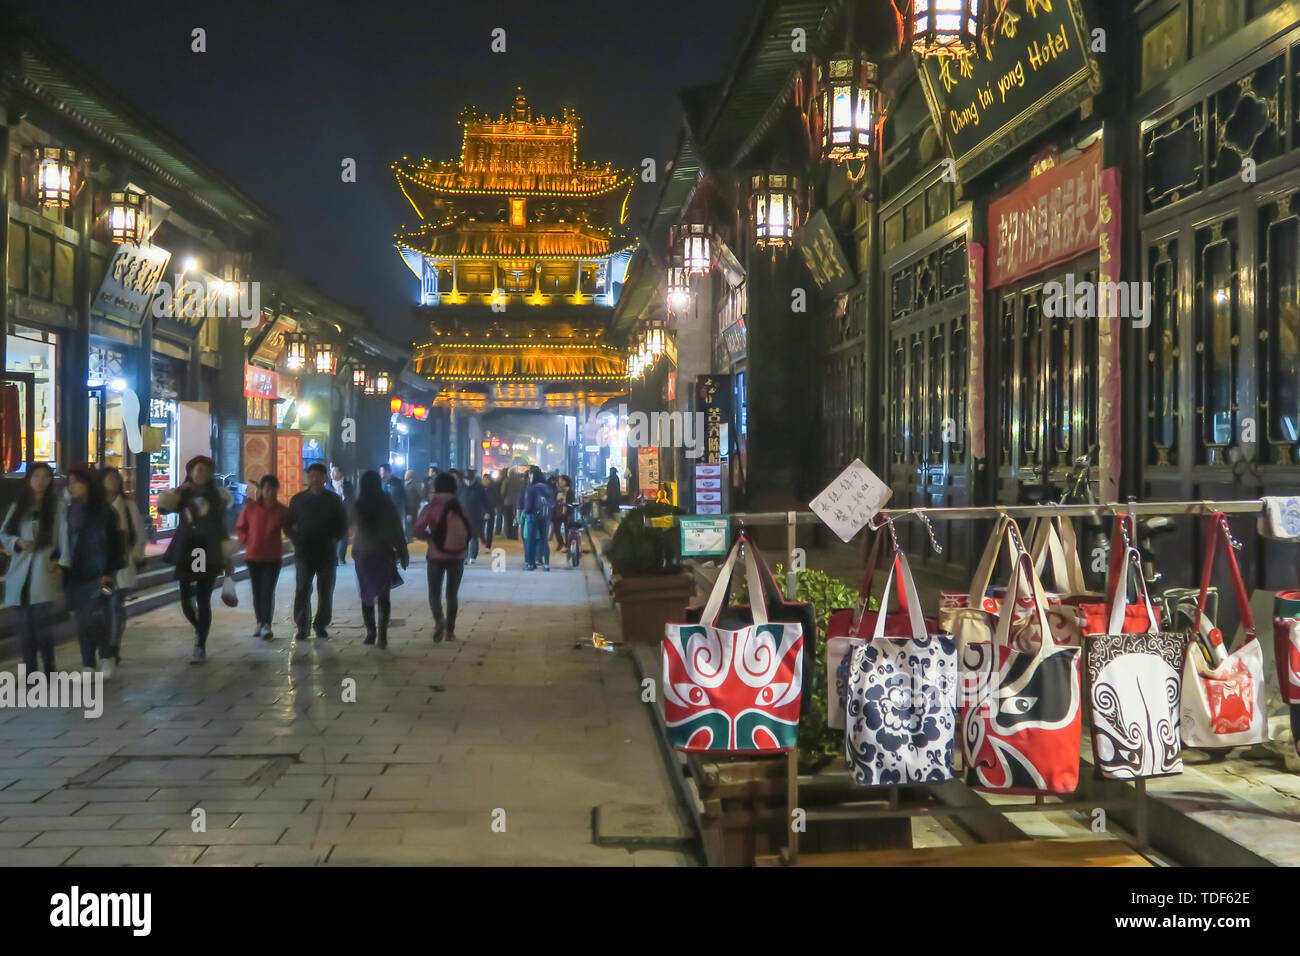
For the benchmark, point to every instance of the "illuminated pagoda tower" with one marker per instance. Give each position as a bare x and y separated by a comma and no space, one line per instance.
520,252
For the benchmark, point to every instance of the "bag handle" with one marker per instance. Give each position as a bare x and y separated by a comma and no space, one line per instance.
1022,569
907,585
1073,563
988,562
864,593
1119,600
757,599
1216,527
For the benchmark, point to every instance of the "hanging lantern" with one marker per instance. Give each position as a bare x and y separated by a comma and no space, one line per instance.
772,208
324,358
55,170
421,413
693,248
948,27
369,388
679,289
359,378
394,405
382,383
654,341
850,107
126,221
295,351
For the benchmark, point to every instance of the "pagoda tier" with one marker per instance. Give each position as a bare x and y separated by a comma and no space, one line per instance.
530,248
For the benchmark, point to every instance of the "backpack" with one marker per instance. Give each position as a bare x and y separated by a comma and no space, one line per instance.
542,504
444,537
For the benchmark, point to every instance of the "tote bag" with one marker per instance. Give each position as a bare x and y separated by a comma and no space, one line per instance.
902,698
1020,697
1135,687
1223,705
733,689
779,608
847,628
1286,644
1094,610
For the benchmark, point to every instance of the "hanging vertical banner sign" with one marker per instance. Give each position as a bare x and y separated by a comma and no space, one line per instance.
1108,332
1053,217
647,471
823,255
713,397
975,349
261,383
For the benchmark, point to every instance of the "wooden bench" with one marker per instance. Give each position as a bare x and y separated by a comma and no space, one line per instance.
1082,852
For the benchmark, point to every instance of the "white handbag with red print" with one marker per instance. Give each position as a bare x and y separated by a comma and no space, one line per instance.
1223,705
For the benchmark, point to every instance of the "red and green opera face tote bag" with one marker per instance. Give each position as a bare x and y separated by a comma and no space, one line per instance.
733,690
1020,701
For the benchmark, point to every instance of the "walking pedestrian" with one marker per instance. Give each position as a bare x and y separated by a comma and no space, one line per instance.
560,516
131,525
317,522
393,487
200,548
378,547
445,526
492,496
342,487
260,527
473,501
31,533
91,554
413,499
512,490
538,505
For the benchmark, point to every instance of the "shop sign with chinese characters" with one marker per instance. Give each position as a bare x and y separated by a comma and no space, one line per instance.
713,398
130,281
261,383
823,255
1038,68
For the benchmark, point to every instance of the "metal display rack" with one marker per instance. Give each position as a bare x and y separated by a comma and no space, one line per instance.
889,805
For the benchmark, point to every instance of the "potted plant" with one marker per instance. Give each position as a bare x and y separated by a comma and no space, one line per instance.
650,586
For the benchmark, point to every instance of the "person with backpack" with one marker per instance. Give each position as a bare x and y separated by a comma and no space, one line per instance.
538,505
378,547
91,555
445,526
260,527
131,525
200,549
31,533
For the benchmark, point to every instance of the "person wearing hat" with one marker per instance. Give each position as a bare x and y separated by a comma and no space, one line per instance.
200,549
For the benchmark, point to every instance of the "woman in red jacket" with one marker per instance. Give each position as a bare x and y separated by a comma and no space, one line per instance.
260,525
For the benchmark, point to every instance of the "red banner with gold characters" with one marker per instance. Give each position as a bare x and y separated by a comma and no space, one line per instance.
1053,217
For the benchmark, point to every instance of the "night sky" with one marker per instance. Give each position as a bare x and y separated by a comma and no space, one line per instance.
285,91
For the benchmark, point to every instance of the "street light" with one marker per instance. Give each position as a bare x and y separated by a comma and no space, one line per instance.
772,208
850,107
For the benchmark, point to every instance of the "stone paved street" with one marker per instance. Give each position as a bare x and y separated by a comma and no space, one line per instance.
512,724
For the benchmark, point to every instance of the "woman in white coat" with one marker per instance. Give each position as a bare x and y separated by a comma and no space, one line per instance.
31,532
131,524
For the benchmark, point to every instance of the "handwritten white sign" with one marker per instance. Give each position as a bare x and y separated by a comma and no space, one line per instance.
851,500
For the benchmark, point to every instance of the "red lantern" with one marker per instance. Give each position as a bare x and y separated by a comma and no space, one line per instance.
421,412
407,409
394,405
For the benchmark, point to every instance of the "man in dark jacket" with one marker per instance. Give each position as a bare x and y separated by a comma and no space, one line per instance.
393,487
317,522
473,499
512,489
